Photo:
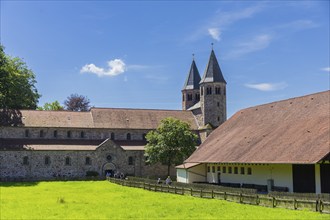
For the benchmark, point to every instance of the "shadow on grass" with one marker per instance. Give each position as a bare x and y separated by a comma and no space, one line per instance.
18,184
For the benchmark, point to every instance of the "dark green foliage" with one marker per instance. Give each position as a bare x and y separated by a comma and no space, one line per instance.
171,143
17,84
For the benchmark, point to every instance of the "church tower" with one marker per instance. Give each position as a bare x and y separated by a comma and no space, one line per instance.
190,91
213,94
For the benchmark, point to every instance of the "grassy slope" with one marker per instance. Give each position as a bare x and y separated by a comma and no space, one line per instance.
104,200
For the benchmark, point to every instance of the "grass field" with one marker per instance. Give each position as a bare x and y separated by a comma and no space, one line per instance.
104,200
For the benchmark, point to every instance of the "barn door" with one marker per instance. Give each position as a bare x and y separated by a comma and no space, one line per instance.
303,178
325,178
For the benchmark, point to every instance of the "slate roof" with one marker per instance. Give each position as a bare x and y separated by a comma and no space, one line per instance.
213,72
193,79
289,131
110,118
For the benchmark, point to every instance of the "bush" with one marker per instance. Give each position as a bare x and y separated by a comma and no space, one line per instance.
92,174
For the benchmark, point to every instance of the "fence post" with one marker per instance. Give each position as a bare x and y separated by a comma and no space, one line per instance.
274,202
321,206
257,200
174,189
295,205
240,198
182,191
225,196
317,205
201,193
191,192
212,195
155,187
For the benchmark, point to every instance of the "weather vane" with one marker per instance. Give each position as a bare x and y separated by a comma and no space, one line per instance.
212,45
193,56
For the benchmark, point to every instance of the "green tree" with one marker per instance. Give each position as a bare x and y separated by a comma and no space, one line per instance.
17,84
171,143
53,106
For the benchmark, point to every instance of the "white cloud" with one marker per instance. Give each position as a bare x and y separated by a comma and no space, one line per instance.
258,42
299,25
268,86
327,69
116,67
215,33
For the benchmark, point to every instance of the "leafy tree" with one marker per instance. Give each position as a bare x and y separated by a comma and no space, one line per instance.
53,106
17,84
171,143
77,103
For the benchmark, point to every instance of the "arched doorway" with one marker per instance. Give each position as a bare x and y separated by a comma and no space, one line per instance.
109,168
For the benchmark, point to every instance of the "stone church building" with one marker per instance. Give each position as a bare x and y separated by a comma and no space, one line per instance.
64,144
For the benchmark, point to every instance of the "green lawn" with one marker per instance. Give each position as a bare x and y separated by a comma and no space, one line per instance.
104,200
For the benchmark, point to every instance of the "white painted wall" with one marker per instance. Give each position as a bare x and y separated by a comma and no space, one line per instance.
317,179
280,173
193,174
181,175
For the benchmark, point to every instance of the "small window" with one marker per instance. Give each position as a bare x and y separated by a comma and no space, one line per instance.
55,134
68,161
229,170
68,134
41,134
197,97
112,136
130,160
208,169
242,170
144,137
27,133
47,160
224,169
189,97
217,91
82,134
249,171
109,158
218,104
213,169
88,161
202,91
209,91
128,136
25,160
218,118
219,168
235,170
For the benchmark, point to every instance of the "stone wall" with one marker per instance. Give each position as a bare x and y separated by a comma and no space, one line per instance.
12,165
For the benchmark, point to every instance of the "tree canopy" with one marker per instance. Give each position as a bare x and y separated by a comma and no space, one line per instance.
17,84
77,103
171,143
53,106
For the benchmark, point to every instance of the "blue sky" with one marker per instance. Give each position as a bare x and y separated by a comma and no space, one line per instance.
137,54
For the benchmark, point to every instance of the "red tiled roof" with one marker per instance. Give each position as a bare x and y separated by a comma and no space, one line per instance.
289,131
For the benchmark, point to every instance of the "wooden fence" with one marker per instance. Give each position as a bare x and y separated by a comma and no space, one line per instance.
318,204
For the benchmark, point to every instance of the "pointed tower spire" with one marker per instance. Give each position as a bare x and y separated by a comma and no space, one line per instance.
193,79
213,72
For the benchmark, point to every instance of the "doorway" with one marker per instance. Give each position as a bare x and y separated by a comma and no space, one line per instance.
303,178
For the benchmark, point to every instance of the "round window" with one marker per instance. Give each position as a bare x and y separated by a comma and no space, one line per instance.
109,157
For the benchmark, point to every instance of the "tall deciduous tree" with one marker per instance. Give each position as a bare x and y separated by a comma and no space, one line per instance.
77,103
171,143
17,84
53,106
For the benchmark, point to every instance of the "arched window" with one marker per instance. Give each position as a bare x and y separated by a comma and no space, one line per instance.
68,134
47,160
41,133
88,161
82,134
130,161
128,136
197,97
189,97
112,136
26,160
144,137
55,133
249,171
27,133
68,161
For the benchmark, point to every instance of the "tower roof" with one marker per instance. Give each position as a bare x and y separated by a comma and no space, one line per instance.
193,79
213,72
